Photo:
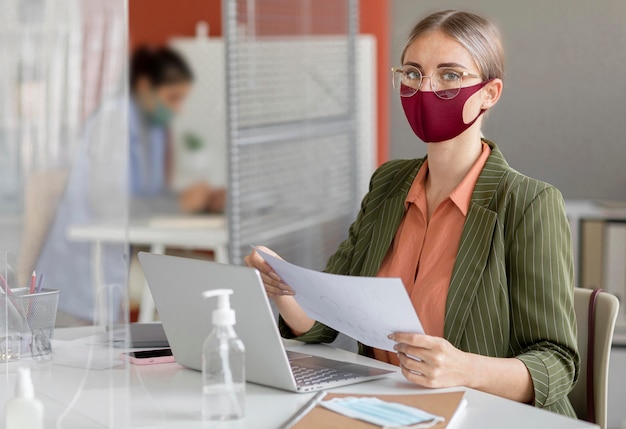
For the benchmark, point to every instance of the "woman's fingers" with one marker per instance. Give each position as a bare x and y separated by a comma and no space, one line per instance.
413,377
273,275
417,340
417,353
439,362
268,251
255,260
268,280
413,363
422,346
276,288
420,373
273,291
271,288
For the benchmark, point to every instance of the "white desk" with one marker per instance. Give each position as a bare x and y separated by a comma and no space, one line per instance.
194,232
168,396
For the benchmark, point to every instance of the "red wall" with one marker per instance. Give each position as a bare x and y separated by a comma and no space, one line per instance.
374,19
155,21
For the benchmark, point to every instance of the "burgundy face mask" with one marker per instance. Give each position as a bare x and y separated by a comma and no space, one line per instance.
435,120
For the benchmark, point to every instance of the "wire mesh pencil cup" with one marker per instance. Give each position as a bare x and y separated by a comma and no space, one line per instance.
30,320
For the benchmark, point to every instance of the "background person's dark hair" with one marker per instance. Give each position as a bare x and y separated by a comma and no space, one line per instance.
162,66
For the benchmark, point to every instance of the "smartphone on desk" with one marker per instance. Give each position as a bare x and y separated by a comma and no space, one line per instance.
149,357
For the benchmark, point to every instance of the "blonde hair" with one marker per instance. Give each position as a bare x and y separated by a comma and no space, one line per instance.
480,37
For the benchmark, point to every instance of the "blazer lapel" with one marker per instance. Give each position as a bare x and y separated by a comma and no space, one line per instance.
392,211
474,249
468,269
388,218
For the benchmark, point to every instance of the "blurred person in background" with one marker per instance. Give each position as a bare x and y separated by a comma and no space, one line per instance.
160,81
88,192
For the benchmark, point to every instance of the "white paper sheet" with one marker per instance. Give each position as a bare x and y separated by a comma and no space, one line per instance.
364,308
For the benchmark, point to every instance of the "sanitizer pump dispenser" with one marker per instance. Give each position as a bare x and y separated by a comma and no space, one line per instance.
24,411
223,364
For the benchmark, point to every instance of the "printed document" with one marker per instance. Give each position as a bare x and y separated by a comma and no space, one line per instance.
364,308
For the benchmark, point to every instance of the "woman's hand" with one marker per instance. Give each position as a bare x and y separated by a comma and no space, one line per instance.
443,365
217,201
274,286
282,295
195,198
201,197
431,361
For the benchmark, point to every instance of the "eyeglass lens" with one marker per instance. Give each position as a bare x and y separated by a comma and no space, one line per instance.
445,82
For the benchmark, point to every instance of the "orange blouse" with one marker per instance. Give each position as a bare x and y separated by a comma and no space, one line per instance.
423,252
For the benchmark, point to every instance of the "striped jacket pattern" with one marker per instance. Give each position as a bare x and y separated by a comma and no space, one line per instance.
511,292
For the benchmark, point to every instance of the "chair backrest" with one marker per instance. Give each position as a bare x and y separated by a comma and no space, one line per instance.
604,316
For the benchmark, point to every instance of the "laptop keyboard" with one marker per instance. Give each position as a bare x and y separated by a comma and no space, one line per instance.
307,376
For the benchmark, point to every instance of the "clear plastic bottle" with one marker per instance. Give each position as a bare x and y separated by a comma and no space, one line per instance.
24,411
223,365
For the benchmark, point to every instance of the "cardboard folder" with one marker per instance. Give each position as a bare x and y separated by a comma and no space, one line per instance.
441,404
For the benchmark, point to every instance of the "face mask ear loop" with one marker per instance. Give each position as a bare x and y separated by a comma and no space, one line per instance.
482,109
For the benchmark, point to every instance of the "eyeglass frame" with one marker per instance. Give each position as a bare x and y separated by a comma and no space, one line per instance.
463,74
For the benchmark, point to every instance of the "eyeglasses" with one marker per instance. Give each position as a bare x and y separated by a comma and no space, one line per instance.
445,81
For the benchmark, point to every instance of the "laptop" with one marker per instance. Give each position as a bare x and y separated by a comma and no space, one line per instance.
142,336
177,285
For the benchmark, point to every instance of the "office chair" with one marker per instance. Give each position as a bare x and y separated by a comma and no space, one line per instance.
596,313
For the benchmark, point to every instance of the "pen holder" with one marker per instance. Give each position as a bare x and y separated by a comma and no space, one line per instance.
30,320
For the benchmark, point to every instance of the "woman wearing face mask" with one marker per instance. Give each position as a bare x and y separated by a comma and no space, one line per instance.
483,250
159,83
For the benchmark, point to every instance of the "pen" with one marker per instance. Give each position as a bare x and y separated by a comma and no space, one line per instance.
33,279
5,286
304,410
39,287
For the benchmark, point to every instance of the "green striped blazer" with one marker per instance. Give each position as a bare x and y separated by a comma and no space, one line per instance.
511,292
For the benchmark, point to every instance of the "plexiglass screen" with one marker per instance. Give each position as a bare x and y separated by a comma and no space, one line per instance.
64,206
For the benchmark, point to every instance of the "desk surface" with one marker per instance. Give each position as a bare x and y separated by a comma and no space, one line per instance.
167,395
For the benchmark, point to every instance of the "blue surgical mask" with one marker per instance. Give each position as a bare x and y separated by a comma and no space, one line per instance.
161,115
382,413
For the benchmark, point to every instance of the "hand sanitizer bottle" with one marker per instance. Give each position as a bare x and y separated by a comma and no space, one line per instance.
24,411
223,364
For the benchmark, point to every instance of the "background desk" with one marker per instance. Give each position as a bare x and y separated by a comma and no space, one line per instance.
159,233
168,396
579,211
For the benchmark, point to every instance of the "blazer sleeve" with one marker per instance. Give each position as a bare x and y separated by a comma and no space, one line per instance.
339,263
543,321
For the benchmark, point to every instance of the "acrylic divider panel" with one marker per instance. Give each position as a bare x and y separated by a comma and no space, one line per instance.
13,327
64,163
